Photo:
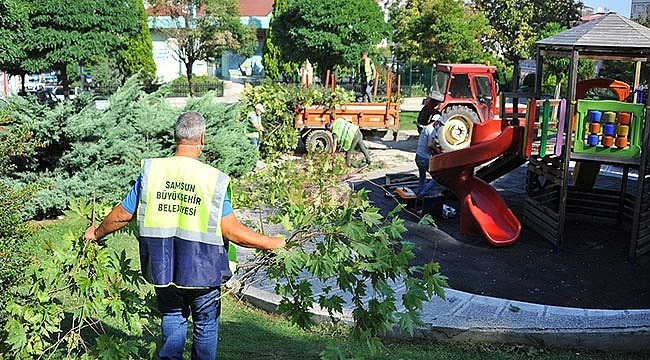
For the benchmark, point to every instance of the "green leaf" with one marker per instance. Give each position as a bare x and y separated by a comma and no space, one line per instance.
372,217
286,223
332,353
16,337
428,220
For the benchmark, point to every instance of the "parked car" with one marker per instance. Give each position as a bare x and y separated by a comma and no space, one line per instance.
58,92
46,97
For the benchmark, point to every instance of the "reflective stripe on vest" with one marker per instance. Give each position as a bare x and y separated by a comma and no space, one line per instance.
344,132
179,223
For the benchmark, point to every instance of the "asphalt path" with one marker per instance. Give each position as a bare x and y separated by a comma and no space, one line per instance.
591,270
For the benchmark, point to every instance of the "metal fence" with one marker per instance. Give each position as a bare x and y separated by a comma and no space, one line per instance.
174,90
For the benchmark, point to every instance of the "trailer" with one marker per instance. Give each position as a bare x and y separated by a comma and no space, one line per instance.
374,119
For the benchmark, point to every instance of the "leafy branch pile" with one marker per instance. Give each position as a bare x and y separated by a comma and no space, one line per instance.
73,301
280,103
342,240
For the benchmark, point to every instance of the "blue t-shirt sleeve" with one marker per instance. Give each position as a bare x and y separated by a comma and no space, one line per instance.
130,202
226,209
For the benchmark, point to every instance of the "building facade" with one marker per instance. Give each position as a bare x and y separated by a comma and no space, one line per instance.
639,9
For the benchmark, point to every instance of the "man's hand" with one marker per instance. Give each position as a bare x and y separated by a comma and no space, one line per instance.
116,219
90,233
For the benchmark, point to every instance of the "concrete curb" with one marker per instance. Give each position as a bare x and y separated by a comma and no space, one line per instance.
468,317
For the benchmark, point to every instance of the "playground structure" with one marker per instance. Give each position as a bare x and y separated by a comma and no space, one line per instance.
589,133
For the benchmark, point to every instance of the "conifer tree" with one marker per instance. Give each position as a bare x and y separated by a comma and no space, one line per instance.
274,66
138,55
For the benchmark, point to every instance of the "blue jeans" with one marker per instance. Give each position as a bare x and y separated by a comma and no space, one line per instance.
366,91
256,142
176,305
424,188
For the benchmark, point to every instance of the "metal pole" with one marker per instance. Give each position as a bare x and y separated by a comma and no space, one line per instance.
410,78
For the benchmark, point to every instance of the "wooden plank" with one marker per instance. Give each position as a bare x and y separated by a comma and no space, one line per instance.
541,208
544,229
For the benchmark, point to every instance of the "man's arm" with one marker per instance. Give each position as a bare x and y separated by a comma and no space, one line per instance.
256,124
241,235
116,219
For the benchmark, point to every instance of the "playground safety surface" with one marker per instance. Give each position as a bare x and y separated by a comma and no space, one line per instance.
591,270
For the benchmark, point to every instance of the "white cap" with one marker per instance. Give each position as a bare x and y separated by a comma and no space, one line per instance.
260,107
439,118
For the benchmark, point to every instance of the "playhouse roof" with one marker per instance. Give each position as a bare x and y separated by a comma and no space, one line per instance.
610,36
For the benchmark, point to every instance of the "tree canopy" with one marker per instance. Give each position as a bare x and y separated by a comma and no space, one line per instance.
329,33
433,31
13,25
75,32
274,67
202,30
515,24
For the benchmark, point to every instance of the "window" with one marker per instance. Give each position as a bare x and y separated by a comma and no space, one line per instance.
483,88
460,86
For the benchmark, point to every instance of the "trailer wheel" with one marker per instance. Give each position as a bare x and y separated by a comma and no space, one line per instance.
457,132
319,140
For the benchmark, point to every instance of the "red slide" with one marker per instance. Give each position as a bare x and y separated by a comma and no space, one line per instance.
483,211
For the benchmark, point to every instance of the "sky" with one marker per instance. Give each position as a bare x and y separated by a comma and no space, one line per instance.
622,7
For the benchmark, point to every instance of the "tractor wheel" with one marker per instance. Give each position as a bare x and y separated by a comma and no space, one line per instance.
319,140
457,132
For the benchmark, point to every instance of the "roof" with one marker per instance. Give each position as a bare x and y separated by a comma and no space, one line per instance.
590,17
259,8
611,34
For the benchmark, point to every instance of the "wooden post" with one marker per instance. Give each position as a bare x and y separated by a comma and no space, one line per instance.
327,79
388,96
399,86
374,94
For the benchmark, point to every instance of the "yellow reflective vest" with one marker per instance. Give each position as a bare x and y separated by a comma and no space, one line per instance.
344,132
179,223
366,75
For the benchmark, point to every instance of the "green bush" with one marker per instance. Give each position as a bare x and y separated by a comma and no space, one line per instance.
179,87
83,150
15,143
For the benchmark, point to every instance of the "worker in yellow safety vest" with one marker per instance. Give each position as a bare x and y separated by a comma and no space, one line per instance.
347,136
254,125
367,74
185,222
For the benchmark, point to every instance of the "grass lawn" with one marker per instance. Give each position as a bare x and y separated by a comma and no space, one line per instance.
250,333
408,120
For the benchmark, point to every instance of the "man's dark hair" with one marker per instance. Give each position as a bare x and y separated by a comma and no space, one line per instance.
364,53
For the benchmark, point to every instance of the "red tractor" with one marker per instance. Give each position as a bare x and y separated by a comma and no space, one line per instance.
465,94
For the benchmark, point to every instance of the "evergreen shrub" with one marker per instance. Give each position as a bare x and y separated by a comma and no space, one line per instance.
84,151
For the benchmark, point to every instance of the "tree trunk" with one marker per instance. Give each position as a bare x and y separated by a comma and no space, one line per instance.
514,84
65,81
190,76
